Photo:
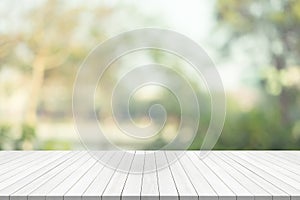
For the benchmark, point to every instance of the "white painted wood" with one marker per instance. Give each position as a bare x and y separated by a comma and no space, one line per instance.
288,157
92,191
269,174
185,188
228,175
286,181
240,191
77,190
292,167
132,188
223,191
16,163
27,175
294,155
149,179
276,165
8,156
61,164
203,188
41,192
24,171
115,186
267,185
96,189
256,190
39,172
166,185
58,192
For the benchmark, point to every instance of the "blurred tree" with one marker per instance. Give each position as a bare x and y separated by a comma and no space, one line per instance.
48,45
4,135
6,45
46,42
272,28
49,39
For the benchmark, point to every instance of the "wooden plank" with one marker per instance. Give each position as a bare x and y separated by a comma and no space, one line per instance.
27,176
60,190
41,192
25,170
166,185
115,186
91,190
133,186
219,186
61,164
13,166
240,178
96,189
294,155
240,191
78,189
274,191
288,157
203,188
276,165
274,171
8,156
149,179
184,187
292,167
267,175
228,175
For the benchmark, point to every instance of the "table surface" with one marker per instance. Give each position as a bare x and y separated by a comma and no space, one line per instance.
228,175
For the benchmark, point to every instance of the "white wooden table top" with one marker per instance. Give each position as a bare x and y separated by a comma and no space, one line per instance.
228,175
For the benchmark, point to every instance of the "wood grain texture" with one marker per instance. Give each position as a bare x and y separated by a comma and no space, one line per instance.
76,175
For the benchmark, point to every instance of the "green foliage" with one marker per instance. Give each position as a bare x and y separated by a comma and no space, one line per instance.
28,135
260,128
56,144
28,132
4,134
272,29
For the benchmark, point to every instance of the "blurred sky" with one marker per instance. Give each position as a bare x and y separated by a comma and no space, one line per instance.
195,19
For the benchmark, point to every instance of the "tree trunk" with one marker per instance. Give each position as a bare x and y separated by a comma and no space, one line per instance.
28,129
38,71
284,99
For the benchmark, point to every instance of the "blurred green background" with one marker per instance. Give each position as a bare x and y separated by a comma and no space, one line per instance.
255,46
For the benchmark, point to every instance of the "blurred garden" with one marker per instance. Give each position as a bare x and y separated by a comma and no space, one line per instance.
255,46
